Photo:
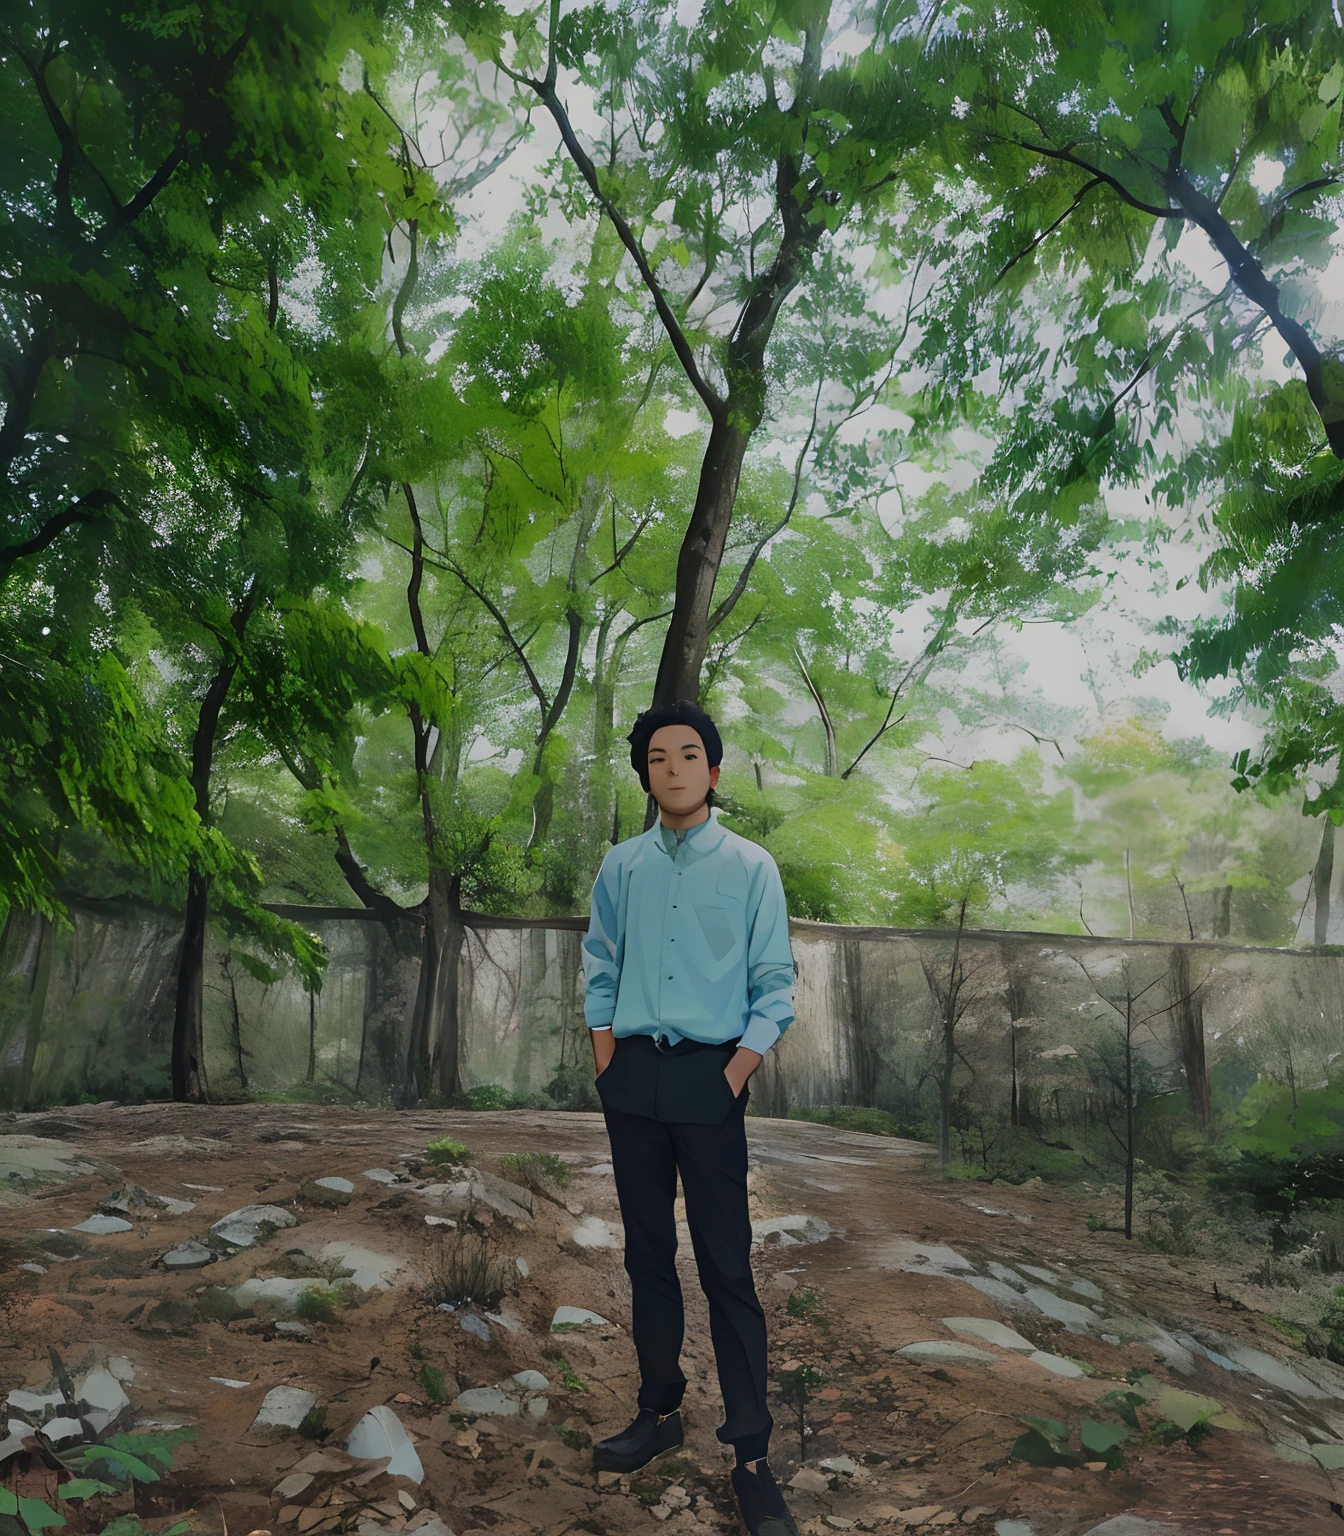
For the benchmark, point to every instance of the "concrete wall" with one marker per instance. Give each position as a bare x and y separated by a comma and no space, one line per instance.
88,1009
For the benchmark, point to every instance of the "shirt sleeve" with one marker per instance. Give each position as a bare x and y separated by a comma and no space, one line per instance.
602,949
770,969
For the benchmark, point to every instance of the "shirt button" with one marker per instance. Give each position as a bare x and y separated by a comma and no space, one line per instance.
669,978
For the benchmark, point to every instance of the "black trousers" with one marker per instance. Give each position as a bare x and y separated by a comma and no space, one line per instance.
647,1154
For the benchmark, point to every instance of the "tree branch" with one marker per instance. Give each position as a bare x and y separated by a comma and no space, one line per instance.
1117,186
1045,233
88,509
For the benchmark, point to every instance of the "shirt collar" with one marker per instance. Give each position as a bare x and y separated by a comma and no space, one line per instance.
655,833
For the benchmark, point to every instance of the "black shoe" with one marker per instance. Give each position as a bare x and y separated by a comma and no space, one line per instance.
649,1436
764,1511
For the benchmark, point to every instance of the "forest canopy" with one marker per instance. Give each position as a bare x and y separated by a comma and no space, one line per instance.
398,398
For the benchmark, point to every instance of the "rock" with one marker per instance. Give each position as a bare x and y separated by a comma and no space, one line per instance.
1273,1371
335,1184
530,1381
12,1443
101,1226
188,1255
34,1269
537,1407
487,1400
945,1349
440,1221
1057,1363
476,1326
1129,1525
122,1369
600,1171
1007,1276
218,1304
839,1522
1013,1528
103,1398
427,1523
380,1175
283,1409
473,1186
169,1316
1085,1288
206,1189
509,1324
228,1381
329,1192
1076,1318
36,1405
523,1270
278,1294
989,1332
292,1486
593,1232
784,1282
920,1515
60,1246
325,1461
380,1434
784,1230
845,1464
252,1224
63,1431
577,1317
294,1329
921,1258
135,1198
809,1480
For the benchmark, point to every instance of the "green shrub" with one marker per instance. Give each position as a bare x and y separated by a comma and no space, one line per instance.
431,1379
853,1117
803,1302
1332,1325
317,1304
532,1168
448,1153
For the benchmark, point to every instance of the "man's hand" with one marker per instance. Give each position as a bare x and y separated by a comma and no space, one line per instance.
604,1048
740,1068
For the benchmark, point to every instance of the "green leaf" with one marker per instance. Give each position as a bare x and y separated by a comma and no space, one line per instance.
39,1516
9,1504
131,1465
84,1488
1101,1438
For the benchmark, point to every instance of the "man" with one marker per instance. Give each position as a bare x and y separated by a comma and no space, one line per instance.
688,981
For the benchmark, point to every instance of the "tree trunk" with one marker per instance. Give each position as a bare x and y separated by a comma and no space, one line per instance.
39,954
1129,1117
433,1057
1015,1113
1320,881
687,638
950,1045
312,1036
1189,1015
188,1046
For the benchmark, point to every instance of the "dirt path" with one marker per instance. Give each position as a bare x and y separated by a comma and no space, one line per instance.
916,1441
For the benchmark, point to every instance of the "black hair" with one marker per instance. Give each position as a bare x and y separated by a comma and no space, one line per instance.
683,712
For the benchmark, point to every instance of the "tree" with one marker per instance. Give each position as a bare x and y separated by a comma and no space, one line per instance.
759,146
1094,126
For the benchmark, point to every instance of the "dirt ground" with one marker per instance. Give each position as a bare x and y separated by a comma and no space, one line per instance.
927,1439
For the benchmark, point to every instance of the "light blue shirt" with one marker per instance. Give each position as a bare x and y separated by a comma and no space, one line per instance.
690,942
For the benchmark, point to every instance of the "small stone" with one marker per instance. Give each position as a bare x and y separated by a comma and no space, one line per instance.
845,1464
188,1255
980,1512
103,1398
405,1500
206,1189
380,1434
102,1226
252,1224
289,1513
292,1486
809,1480
784,1282
380,1175
577,1316
593,1232
226,1381
284,1408
294,1328
530,1381
439,1221
989,1332
1094,1466
476,1326
537,1407
944,1349
338,1186
1057,1363
34,1269
487,1400
839,1522
63,1431
523,1270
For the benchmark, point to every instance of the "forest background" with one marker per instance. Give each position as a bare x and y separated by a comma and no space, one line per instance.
397,398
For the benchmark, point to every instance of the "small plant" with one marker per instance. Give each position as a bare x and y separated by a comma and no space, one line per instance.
1332,1325
415,1352
1097,1223
534,1168
1046,1444
797,1387
803,1303
576,1439
570,1379
431,1379
314,1424
448,1153
467,1269
317,1304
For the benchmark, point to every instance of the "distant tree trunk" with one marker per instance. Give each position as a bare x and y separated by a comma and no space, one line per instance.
1320,881
1012,1034
312,1037
188,1045
949,1042
1189,1016
1129,1115
1129,890
1222,913
832,765
16,1088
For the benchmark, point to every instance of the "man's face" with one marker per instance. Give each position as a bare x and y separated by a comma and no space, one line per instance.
679,775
